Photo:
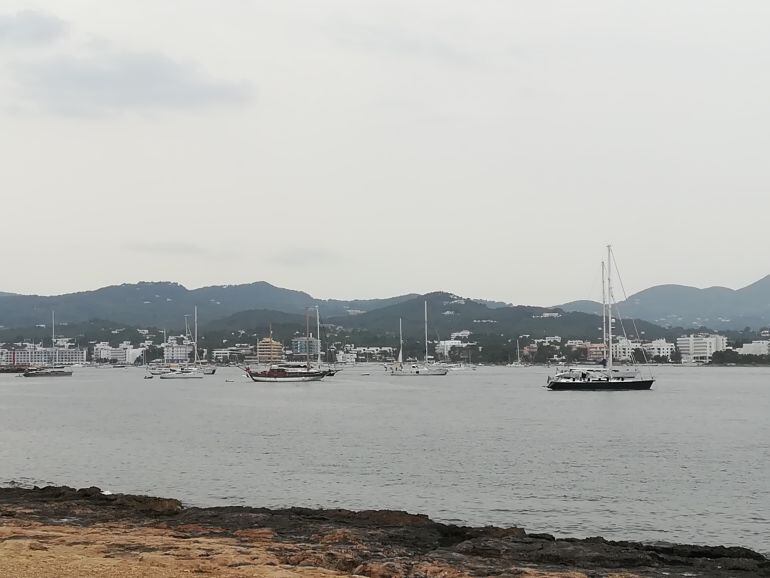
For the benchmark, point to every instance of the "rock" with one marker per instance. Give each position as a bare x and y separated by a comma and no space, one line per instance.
380,570
148,505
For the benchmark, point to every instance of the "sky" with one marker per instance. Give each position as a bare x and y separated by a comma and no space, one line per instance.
358,149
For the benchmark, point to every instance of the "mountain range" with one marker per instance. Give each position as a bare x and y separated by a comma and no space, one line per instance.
689,307
164,304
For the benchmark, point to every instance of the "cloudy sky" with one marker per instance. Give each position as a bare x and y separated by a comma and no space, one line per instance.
368,148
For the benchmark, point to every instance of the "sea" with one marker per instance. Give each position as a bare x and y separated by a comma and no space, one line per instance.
688,461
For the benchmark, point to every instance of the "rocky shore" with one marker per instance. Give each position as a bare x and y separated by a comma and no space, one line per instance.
63,532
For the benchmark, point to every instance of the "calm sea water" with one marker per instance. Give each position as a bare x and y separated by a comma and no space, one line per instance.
688,461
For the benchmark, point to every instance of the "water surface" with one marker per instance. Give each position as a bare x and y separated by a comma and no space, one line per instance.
688,461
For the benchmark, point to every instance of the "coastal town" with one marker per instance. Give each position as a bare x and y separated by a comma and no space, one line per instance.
695,348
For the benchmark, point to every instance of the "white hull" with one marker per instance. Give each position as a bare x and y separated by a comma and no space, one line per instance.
179,375
418,371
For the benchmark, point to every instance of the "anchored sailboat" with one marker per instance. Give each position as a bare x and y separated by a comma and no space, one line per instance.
607,377
53,369
425,369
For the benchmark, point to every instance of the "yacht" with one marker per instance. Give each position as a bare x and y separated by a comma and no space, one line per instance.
398,369
604,377
52,371
182,373
286,372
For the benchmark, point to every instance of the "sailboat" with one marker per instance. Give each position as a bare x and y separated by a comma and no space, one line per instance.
517,363
605,377
53,369
415,369
292,371
187,372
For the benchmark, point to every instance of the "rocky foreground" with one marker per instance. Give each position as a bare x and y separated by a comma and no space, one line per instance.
63,532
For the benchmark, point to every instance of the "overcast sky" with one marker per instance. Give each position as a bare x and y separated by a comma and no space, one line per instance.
365,149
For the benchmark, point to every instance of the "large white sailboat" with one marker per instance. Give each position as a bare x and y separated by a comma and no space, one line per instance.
186,371
415,369
605,377
53,369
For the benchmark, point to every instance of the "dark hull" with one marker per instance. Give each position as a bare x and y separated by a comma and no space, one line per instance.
629,384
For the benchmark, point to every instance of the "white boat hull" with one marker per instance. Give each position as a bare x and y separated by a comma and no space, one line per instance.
174,375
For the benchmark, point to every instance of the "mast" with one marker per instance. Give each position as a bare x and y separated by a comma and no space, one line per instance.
196,335
400,342
604,311
318,330
518,353
307,338
53,336
609,311
426,331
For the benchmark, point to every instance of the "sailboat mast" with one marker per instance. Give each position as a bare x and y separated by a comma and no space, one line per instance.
318,330
400,342
196,334
307,337
604,310
426,331
53,336
518,352
609,310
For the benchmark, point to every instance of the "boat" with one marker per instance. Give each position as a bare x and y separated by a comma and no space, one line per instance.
52,370
183,373
44,371
13,368
605,377
398,369
284,373
291,371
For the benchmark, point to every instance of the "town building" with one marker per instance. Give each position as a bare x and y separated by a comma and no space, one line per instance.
269,351
596,352
343,357
464,334
30,354
754,348
123,353
659,348
173,353
699,348
305,346
623,349
443,347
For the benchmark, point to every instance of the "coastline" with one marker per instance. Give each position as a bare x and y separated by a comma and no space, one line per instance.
63,532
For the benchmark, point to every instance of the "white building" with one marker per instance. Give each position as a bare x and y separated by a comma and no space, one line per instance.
343,357
173,353
464,334
700,348
623,349
443,347
123,353
754,348
659,348
35,355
